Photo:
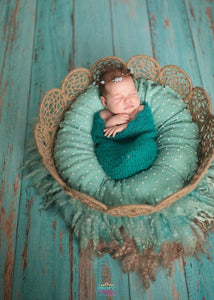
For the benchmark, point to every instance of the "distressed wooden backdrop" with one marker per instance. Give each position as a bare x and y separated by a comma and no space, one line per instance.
41,41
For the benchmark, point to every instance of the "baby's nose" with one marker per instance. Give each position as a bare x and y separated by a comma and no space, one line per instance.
127,99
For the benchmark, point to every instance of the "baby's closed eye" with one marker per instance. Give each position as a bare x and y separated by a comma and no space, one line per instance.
118,99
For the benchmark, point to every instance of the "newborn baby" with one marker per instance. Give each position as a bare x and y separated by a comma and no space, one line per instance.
124,131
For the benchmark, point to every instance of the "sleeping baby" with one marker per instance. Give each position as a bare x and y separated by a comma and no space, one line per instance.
124,131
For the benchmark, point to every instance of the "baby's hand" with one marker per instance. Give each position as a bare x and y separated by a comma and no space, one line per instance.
112,131
122,118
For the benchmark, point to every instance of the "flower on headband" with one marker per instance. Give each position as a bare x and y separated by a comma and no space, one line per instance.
98,83
130,70
117,79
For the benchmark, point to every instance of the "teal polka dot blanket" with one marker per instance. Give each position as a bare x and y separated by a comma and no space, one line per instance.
168,230
130,151
177,141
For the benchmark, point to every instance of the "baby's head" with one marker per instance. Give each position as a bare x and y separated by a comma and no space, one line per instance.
118,91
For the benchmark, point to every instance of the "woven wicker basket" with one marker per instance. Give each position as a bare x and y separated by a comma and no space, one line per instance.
56,101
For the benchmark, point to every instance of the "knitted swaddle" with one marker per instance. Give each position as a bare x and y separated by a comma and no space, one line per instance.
131,150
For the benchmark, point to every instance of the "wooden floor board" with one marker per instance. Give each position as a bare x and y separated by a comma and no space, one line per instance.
109,270
201,23
92,22
41,42
168,285
200,274
93,31
15,58
172,36
131,23
43,251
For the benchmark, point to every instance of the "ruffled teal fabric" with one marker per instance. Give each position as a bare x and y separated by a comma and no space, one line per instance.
131,150
173,224
177,141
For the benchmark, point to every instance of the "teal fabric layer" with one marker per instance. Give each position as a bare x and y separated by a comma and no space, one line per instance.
130,151
177,142
177,223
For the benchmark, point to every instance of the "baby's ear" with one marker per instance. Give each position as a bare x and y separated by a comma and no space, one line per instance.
103,100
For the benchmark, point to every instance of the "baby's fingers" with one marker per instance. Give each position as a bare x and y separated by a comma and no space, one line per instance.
111,131
108,131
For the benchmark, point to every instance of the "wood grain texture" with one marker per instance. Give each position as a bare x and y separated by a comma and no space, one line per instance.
168,285
170,27
131,30
201,20
92,29
41,42
44,252
15,61
200,273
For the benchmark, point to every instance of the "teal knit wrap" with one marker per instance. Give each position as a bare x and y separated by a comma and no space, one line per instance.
131,150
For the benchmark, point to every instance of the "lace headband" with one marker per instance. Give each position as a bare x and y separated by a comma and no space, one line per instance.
99,82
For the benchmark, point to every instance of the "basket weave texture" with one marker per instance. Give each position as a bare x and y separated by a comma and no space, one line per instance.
56,101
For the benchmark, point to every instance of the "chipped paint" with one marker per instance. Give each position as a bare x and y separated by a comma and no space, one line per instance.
54,281
153,17
35,55
198,31
71,262
2,95
11,38
16,186
87,287
167,23
11,151
132,13
209,15
54,228
53,8
40,39
25,250
2,210
182,263
60,244
175,293
71,63
8,231
192,11
73,32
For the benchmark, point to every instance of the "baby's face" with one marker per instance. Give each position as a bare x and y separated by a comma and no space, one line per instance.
121,97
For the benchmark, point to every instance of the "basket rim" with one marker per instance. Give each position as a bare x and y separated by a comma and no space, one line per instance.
130,210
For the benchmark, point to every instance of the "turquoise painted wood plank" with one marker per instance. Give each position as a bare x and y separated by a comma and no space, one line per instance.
131,30
108,270
93,40
171,37
43,268
16,45
200,274
201,15
131,18
180,35
92,32
53,49
43,262
167,286
75,269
